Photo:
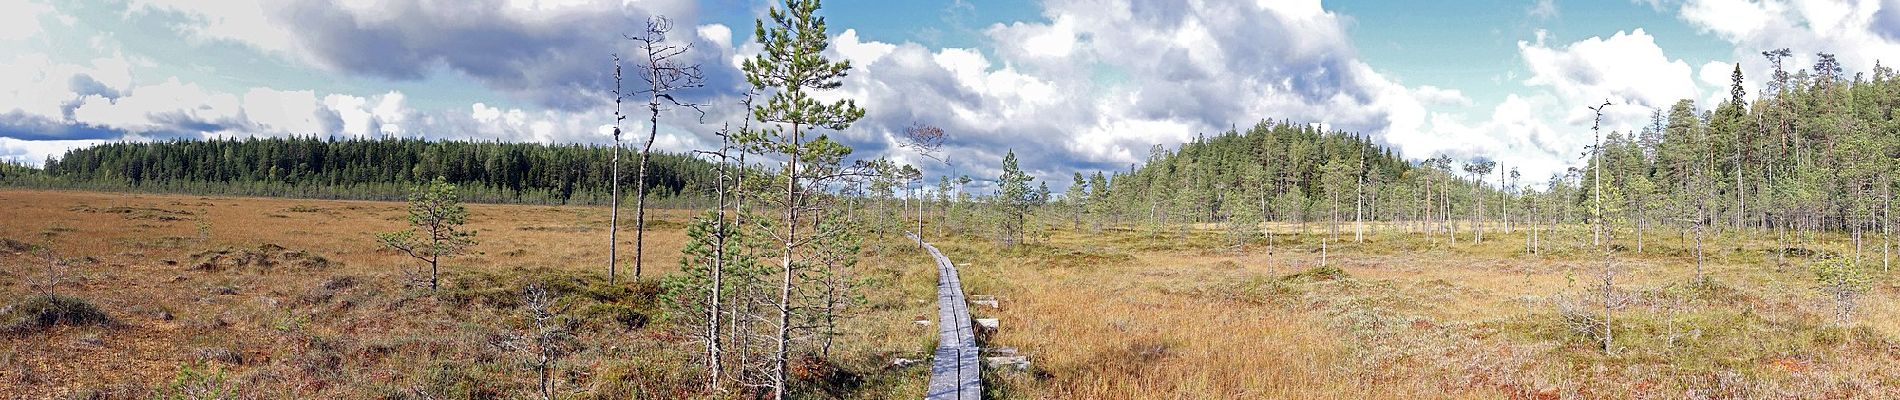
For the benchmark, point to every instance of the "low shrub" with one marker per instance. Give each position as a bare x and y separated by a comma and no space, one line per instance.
40,312
1317,274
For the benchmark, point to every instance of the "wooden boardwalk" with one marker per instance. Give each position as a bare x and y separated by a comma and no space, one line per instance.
954,370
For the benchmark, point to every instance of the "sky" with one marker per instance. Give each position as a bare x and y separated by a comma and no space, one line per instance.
1070,85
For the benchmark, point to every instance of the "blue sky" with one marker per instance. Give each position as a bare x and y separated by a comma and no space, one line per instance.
1074,84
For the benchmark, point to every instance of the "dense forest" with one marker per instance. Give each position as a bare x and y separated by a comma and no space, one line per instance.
375,169
1279,171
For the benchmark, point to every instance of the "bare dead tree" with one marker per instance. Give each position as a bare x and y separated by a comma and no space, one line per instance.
54,269
927,140
545,339
665,74
1597,158
1611,301
613,213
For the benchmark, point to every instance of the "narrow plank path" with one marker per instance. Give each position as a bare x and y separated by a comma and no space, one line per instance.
954,370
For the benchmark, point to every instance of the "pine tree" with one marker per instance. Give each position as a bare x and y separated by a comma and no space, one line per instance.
436,211
790,68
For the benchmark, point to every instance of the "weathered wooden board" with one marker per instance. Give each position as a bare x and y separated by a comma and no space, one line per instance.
955,372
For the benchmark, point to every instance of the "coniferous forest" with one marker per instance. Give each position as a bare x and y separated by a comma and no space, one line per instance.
1816,150
367,169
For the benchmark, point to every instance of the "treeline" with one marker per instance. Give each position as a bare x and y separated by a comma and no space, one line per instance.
1285,172
375,169
1817,151
1278,171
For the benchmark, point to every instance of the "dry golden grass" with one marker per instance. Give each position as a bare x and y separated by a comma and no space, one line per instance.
133,255
334,317
1115,319
1117,315
1127,315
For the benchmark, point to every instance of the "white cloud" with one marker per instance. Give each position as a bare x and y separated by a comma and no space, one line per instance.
21,19
1092,86
717,34
239,21
295,112
35,152
1038,41
1627,69
162,106
35,85
860,52
1440,97
1100,82
1860,32
1543,9
368,116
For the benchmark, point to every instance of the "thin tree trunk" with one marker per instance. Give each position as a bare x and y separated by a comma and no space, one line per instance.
1359,211
1477,212
713,351
640,196
1642,225
782,353
613,209
1699,277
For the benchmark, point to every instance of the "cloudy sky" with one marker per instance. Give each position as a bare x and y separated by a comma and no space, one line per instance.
1067,84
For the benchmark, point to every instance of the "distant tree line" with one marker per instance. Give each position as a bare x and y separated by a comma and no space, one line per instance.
1816,151
373,169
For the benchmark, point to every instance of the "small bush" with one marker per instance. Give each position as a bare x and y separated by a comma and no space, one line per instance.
261,259
449,380
15,246
1317,274
38,313
615,315
198,381
219,354
814,374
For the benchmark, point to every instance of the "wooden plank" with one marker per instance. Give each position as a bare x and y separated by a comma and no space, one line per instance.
955,369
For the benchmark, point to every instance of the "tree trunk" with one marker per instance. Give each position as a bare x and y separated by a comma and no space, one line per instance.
640,195
613,215
1359,212
1642,225
1477,211
1699,277
713,352
782,352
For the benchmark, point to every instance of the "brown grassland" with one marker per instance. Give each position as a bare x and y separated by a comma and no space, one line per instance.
285,298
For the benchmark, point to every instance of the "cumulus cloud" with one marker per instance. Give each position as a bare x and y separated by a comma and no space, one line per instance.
1100,82
22,19
553,53
1092,85
35,152
1860,32
1627,67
